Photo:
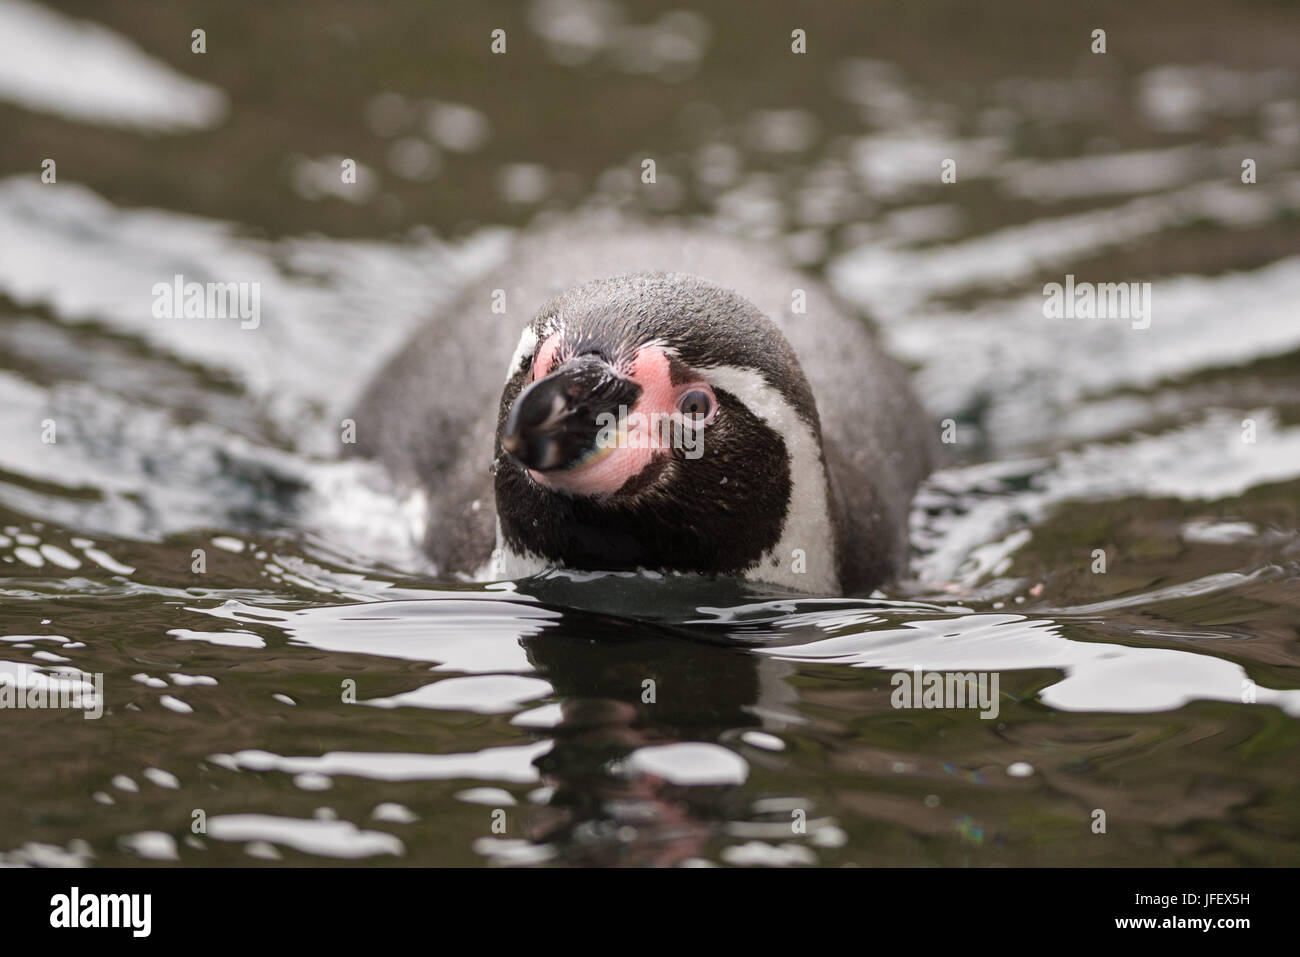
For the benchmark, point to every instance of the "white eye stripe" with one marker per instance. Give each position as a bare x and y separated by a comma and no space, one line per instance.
807,521
523,352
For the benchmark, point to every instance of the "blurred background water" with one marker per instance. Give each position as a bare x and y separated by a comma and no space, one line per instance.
771,739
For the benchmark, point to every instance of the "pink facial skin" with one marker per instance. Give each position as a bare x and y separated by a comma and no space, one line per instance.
544,361
606,473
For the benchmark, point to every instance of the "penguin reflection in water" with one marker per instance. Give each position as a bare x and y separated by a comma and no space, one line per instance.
672,402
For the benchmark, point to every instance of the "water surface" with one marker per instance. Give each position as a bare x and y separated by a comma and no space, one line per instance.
318,694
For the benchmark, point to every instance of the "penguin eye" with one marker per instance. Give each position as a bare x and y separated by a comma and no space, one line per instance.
697,404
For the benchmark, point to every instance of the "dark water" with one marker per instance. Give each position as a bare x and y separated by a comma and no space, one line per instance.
316,694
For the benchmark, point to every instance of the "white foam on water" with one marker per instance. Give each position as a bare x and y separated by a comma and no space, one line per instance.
83,71
341,839
1039,365
459,632
690,763
1203,461
511,763
482,694
490,797
229,639
331,310
756,853
154,845
893,283
65,681
1099,676
891,163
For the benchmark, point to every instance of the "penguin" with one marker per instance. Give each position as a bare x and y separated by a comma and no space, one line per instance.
656,398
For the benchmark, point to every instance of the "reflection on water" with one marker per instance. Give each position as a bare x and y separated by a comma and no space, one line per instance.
311,691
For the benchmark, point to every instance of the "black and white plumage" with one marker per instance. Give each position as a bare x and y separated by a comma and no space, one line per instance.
806,468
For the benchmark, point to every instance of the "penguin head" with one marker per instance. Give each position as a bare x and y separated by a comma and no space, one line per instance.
660,421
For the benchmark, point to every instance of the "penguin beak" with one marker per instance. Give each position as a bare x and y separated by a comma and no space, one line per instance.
556,422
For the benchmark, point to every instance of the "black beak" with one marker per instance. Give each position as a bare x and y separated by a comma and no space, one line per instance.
555,423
